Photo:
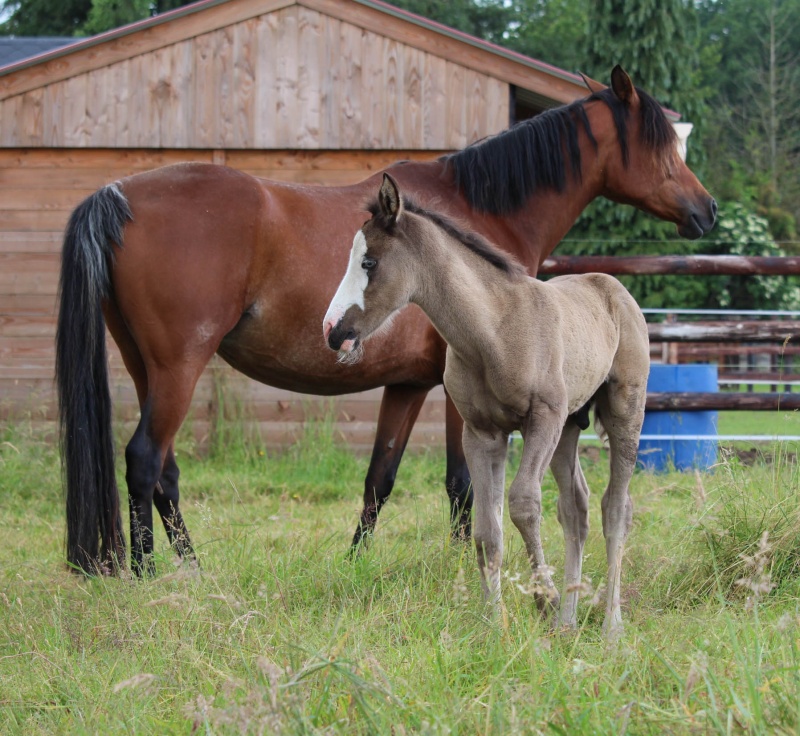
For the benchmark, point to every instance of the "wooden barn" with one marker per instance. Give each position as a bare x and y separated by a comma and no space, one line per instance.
323,91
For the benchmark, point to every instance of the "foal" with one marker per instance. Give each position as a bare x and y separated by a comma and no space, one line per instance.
521,355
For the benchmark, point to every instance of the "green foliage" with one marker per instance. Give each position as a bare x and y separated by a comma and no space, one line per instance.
108,14
740,231
554,31
753,136
77,17
44,17
487,19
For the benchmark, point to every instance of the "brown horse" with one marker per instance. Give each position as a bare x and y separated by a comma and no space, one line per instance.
521,355
192,259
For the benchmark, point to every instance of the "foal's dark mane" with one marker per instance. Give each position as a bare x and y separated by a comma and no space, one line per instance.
470,240
499,174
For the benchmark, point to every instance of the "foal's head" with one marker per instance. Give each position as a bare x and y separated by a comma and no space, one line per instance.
380,276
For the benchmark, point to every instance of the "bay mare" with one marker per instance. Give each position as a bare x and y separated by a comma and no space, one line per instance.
521,355
188,260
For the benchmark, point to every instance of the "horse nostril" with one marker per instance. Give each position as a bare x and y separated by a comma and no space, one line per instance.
714,209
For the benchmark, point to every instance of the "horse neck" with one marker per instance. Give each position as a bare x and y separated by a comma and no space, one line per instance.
461,293
531,233
538,227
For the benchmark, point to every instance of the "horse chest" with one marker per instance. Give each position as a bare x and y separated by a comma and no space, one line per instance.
482,403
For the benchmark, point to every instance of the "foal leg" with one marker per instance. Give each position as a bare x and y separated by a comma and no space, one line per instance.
486,456
621,408
399,410
573,515
540,434
459,485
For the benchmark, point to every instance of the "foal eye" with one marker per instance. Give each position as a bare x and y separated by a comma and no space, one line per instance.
368,263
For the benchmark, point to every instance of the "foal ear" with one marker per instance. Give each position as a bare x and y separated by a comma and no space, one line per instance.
389,199
592,85
622,86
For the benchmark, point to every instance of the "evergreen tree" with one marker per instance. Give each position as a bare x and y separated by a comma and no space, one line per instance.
655,41
44,17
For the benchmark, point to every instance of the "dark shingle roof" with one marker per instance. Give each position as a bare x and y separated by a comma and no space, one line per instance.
17,48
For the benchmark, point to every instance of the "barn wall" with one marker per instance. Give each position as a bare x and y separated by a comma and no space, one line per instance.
294,78
39,189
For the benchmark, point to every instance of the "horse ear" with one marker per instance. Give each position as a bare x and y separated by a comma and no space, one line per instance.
592,85
389,199
622,86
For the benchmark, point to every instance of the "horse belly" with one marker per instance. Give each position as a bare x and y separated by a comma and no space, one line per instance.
289,352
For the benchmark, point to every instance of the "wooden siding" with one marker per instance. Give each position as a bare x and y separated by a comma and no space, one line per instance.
38,190
291,79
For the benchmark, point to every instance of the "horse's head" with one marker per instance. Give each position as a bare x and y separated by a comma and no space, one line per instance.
650,173
378,281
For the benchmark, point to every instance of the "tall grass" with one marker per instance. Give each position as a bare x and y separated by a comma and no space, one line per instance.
280,632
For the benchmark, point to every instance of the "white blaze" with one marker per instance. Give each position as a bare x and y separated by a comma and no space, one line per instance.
351,290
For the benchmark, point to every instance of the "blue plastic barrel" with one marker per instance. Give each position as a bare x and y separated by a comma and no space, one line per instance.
661,455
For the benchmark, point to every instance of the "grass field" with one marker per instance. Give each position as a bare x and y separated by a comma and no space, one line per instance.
279,632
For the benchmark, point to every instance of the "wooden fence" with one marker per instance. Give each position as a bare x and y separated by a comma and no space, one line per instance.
784,335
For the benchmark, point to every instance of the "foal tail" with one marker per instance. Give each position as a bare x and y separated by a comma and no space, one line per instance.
95,537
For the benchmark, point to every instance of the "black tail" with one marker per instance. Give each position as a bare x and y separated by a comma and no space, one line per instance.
95,537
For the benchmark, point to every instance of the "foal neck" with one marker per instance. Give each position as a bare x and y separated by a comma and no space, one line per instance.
464,295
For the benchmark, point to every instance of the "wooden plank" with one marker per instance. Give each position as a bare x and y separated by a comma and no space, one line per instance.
504,65
33,220
266,101
310,74
676,265
205,91
38,199
225,95
413,98
31,117
286,68
739,401
372,90
130,159
476,106
10,119
145,37
12,241
498,105
773,331
390,134
434,106
350,110
245,56
334,124
456,124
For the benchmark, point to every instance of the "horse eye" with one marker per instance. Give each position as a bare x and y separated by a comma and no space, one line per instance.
368,263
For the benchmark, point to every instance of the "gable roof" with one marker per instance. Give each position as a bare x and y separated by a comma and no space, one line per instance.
546,83
15,49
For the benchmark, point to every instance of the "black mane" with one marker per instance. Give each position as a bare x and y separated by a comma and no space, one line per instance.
470,240
499,174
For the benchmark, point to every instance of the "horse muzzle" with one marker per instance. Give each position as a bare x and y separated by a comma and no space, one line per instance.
700,221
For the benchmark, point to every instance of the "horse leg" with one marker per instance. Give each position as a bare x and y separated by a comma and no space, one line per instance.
540,433
573,515
166,498
486,457
169,396
399,410
458,483
621,411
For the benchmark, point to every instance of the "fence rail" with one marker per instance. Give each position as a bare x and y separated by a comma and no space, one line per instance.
674,265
